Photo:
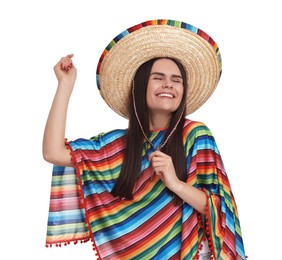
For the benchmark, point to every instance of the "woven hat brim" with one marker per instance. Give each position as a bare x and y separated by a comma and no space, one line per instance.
192,47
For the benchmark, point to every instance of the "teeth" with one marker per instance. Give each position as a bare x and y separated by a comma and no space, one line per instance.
165,95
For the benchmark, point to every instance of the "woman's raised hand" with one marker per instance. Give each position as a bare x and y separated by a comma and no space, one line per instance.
65,70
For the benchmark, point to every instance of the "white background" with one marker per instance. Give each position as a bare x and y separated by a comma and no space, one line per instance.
243,113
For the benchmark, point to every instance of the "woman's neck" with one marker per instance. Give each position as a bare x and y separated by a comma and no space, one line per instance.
159,121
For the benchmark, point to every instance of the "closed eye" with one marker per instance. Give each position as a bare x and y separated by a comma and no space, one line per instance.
177,79
158,78
161,76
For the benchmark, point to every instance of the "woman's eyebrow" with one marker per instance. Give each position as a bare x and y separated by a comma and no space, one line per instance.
157,73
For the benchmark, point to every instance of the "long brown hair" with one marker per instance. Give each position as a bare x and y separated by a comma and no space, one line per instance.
135,139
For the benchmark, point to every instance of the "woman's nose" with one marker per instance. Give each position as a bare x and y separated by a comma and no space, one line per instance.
167,84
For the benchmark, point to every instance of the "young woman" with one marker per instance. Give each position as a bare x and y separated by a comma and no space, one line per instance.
158,189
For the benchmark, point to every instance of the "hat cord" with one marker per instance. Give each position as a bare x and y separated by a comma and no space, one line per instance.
168,137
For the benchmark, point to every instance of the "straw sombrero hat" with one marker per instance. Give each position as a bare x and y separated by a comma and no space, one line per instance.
195,49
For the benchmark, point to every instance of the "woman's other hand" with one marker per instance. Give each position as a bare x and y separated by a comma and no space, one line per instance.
163,166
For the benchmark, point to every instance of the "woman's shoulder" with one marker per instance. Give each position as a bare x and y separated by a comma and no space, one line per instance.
110,135
194,129
100,140
192,124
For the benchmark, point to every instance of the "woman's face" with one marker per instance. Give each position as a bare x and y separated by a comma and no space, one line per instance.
165,87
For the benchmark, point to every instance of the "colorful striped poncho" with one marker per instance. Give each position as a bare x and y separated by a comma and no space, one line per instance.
150,226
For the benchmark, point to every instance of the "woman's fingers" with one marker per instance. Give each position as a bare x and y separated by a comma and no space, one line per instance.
65,70
156,154
159,161
66,62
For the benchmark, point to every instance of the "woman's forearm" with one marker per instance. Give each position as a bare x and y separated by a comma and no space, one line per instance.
162,165
191,195
54,150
